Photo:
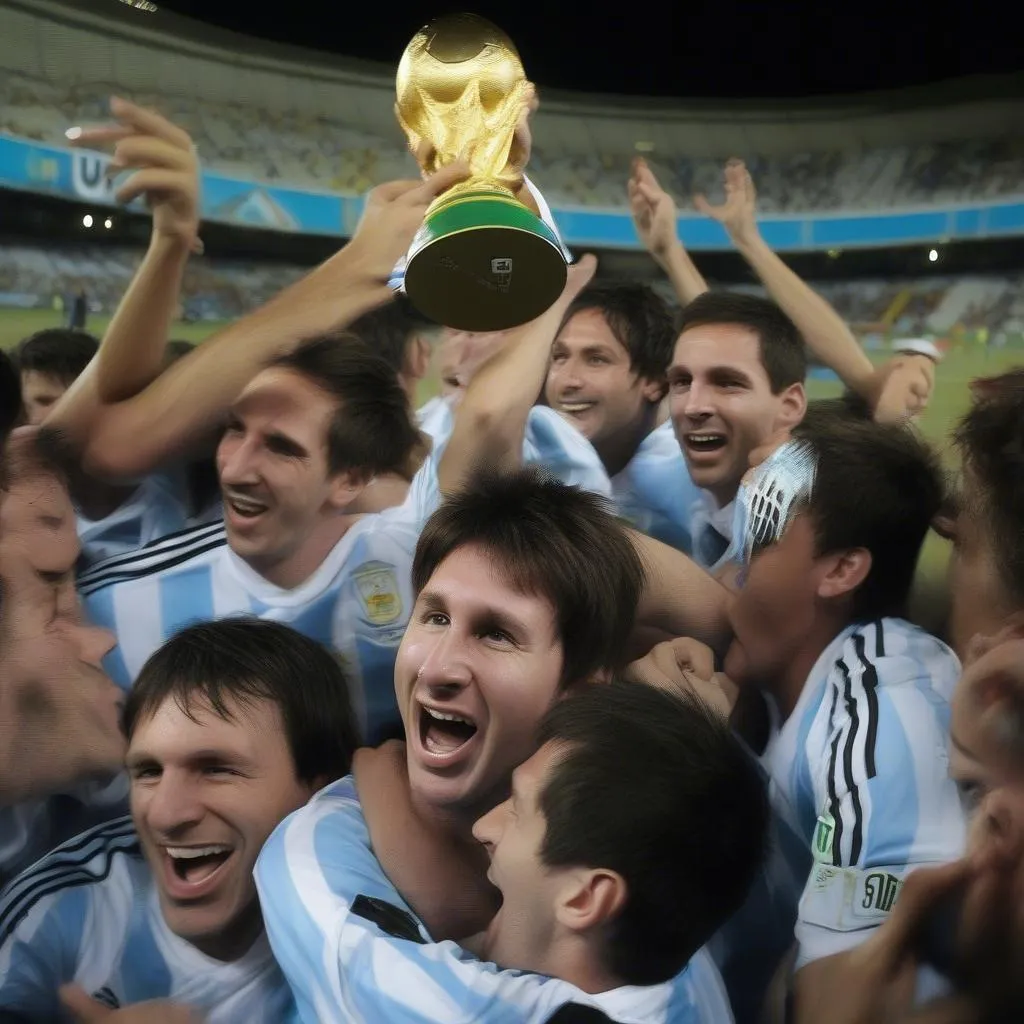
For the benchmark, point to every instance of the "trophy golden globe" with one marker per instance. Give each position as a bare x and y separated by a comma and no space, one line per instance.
483,260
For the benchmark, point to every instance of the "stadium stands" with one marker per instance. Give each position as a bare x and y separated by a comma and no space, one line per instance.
35,277
309,152
941,307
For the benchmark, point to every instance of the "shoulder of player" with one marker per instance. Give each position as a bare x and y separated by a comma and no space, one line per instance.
97,857
163,555
891,653
335,804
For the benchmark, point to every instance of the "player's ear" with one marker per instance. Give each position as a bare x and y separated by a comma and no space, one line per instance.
590,898
843,571
792,406
653,388
344,488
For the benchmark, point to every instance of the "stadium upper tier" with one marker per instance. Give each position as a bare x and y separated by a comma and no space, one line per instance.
317,153
942,307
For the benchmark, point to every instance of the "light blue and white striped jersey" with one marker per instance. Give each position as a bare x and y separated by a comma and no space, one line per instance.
353,951
548,441
655,493
32,828
357,602
861,771
156,508
90,914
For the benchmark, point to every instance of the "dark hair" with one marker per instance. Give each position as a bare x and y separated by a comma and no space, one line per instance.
781,345
848,406
175,349
10,397
247,660
653,785
990,439
553,540
878,486
372,430
386,330
58,352
638,317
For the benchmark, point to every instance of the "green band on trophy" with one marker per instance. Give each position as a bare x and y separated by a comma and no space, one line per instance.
483,260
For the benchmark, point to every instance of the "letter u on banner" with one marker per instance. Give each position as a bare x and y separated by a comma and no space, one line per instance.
88,177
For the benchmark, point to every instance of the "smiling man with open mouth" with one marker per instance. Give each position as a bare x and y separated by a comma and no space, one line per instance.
232,725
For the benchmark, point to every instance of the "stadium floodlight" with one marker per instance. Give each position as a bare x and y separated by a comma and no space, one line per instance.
108,223
933,255
87,221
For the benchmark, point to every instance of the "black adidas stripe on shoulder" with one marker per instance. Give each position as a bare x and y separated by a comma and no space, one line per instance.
170,542
84,860
158,556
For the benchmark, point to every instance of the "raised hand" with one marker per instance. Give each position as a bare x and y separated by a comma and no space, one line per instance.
738,214
165,165
653,209
393,214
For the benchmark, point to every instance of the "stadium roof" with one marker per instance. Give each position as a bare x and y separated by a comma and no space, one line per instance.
695,49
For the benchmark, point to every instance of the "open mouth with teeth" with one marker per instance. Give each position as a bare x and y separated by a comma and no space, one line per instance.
576,408
443,734
244,507
705,442
195,865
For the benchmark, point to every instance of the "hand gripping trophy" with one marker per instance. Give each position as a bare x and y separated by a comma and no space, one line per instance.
483,260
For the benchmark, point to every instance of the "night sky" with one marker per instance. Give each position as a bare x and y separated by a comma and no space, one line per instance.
714,49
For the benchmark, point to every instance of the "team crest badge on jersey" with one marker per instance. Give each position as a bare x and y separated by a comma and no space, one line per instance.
377,586
824,833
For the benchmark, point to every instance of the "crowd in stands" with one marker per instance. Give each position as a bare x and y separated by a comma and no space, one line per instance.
307,152
223,290
216,290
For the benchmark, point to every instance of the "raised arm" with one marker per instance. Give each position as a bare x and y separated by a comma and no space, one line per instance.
654,217
491,419
824,330
166,172
132,437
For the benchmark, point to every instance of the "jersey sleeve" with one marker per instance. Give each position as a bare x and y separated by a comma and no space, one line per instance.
352,950
886,806
563,451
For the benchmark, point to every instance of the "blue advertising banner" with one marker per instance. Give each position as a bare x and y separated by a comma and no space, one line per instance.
75,174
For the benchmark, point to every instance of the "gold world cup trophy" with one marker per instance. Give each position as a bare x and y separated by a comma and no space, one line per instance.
482,261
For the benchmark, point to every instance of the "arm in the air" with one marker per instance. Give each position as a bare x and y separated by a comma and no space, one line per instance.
490,422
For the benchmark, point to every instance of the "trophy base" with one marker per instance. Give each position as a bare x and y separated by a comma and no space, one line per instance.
483,262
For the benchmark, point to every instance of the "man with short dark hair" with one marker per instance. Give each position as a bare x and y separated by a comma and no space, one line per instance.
49,362
301,443
625,841
513,613
608,361
231,726
833,525
736,378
